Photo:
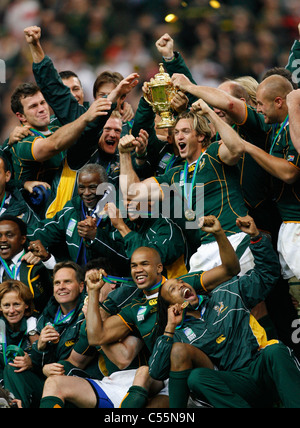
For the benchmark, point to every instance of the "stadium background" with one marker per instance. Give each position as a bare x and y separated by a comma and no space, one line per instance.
221,39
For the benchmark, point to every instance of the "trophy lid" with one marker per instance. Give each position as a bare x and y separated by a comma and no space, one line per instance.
161,78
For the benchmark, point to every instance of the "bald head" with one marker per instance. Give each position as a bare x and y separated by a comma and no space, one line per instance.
235,89
147,252
146,268
275,86
271,98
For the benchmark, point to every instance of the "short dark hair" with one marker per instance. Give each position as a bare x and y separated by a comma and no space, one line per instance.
67,74
20,223
5,163
101,263
70,265
284,72
22,91
107,77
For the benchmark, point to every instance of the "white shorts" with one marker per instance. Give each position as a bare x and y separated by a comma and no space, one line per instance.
208,256
117,385
288,247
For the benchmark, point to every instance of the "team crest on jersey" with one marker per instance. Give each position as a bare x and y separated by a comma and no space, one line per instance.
220,308
202,164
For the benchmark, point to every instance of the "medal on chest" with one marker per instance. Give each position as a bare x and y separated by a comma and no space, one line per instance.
190,214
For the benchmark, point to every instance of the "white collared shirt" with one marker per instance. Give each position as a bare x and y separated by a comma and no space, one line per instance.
15,261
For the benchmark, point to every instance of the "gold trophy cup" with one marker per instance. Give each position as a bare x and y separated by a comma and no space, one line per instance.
161,92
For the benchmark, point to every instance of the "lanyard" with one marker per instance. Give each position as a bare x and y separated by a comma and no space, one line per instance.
170,163
275,135
62,320
189,197
13,274
81,241
84,214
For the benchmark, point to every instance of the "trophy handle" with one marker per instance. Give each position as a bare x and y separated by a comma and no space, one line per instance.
148,98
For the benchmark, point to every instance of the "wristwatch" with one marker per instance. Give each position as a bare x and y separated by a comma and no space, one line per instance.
32,333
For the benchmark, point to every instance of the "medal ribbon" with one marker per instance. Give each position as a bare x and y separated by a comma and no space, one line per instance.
40,134
4,345
275,135
184,317
170,163
13,274
58,320
35,132
155,287
189,197
123,280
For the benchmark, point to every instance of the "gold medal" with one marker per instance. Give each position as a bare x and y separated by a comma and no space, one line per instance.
184,305
190,215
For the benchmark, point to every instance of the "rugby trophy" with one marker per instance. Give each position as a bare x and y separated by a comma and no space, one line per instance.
159,96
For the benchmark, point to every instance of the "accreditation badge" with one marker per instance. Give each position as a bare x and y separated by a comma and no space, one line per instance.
189,333
181,178
71,227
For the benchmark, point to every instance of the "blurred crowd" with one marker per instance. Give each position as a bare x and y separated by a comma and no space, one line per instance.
88,36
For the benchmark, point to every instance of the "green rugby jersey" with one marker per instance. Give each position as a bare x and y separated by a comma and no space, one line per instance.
27,168
293,61
101,365
256,183
219,194
279,144
140,316
226,331
254,180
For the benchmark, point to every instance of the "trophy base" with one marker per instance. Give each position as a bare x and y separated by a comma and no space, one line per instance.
167,121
